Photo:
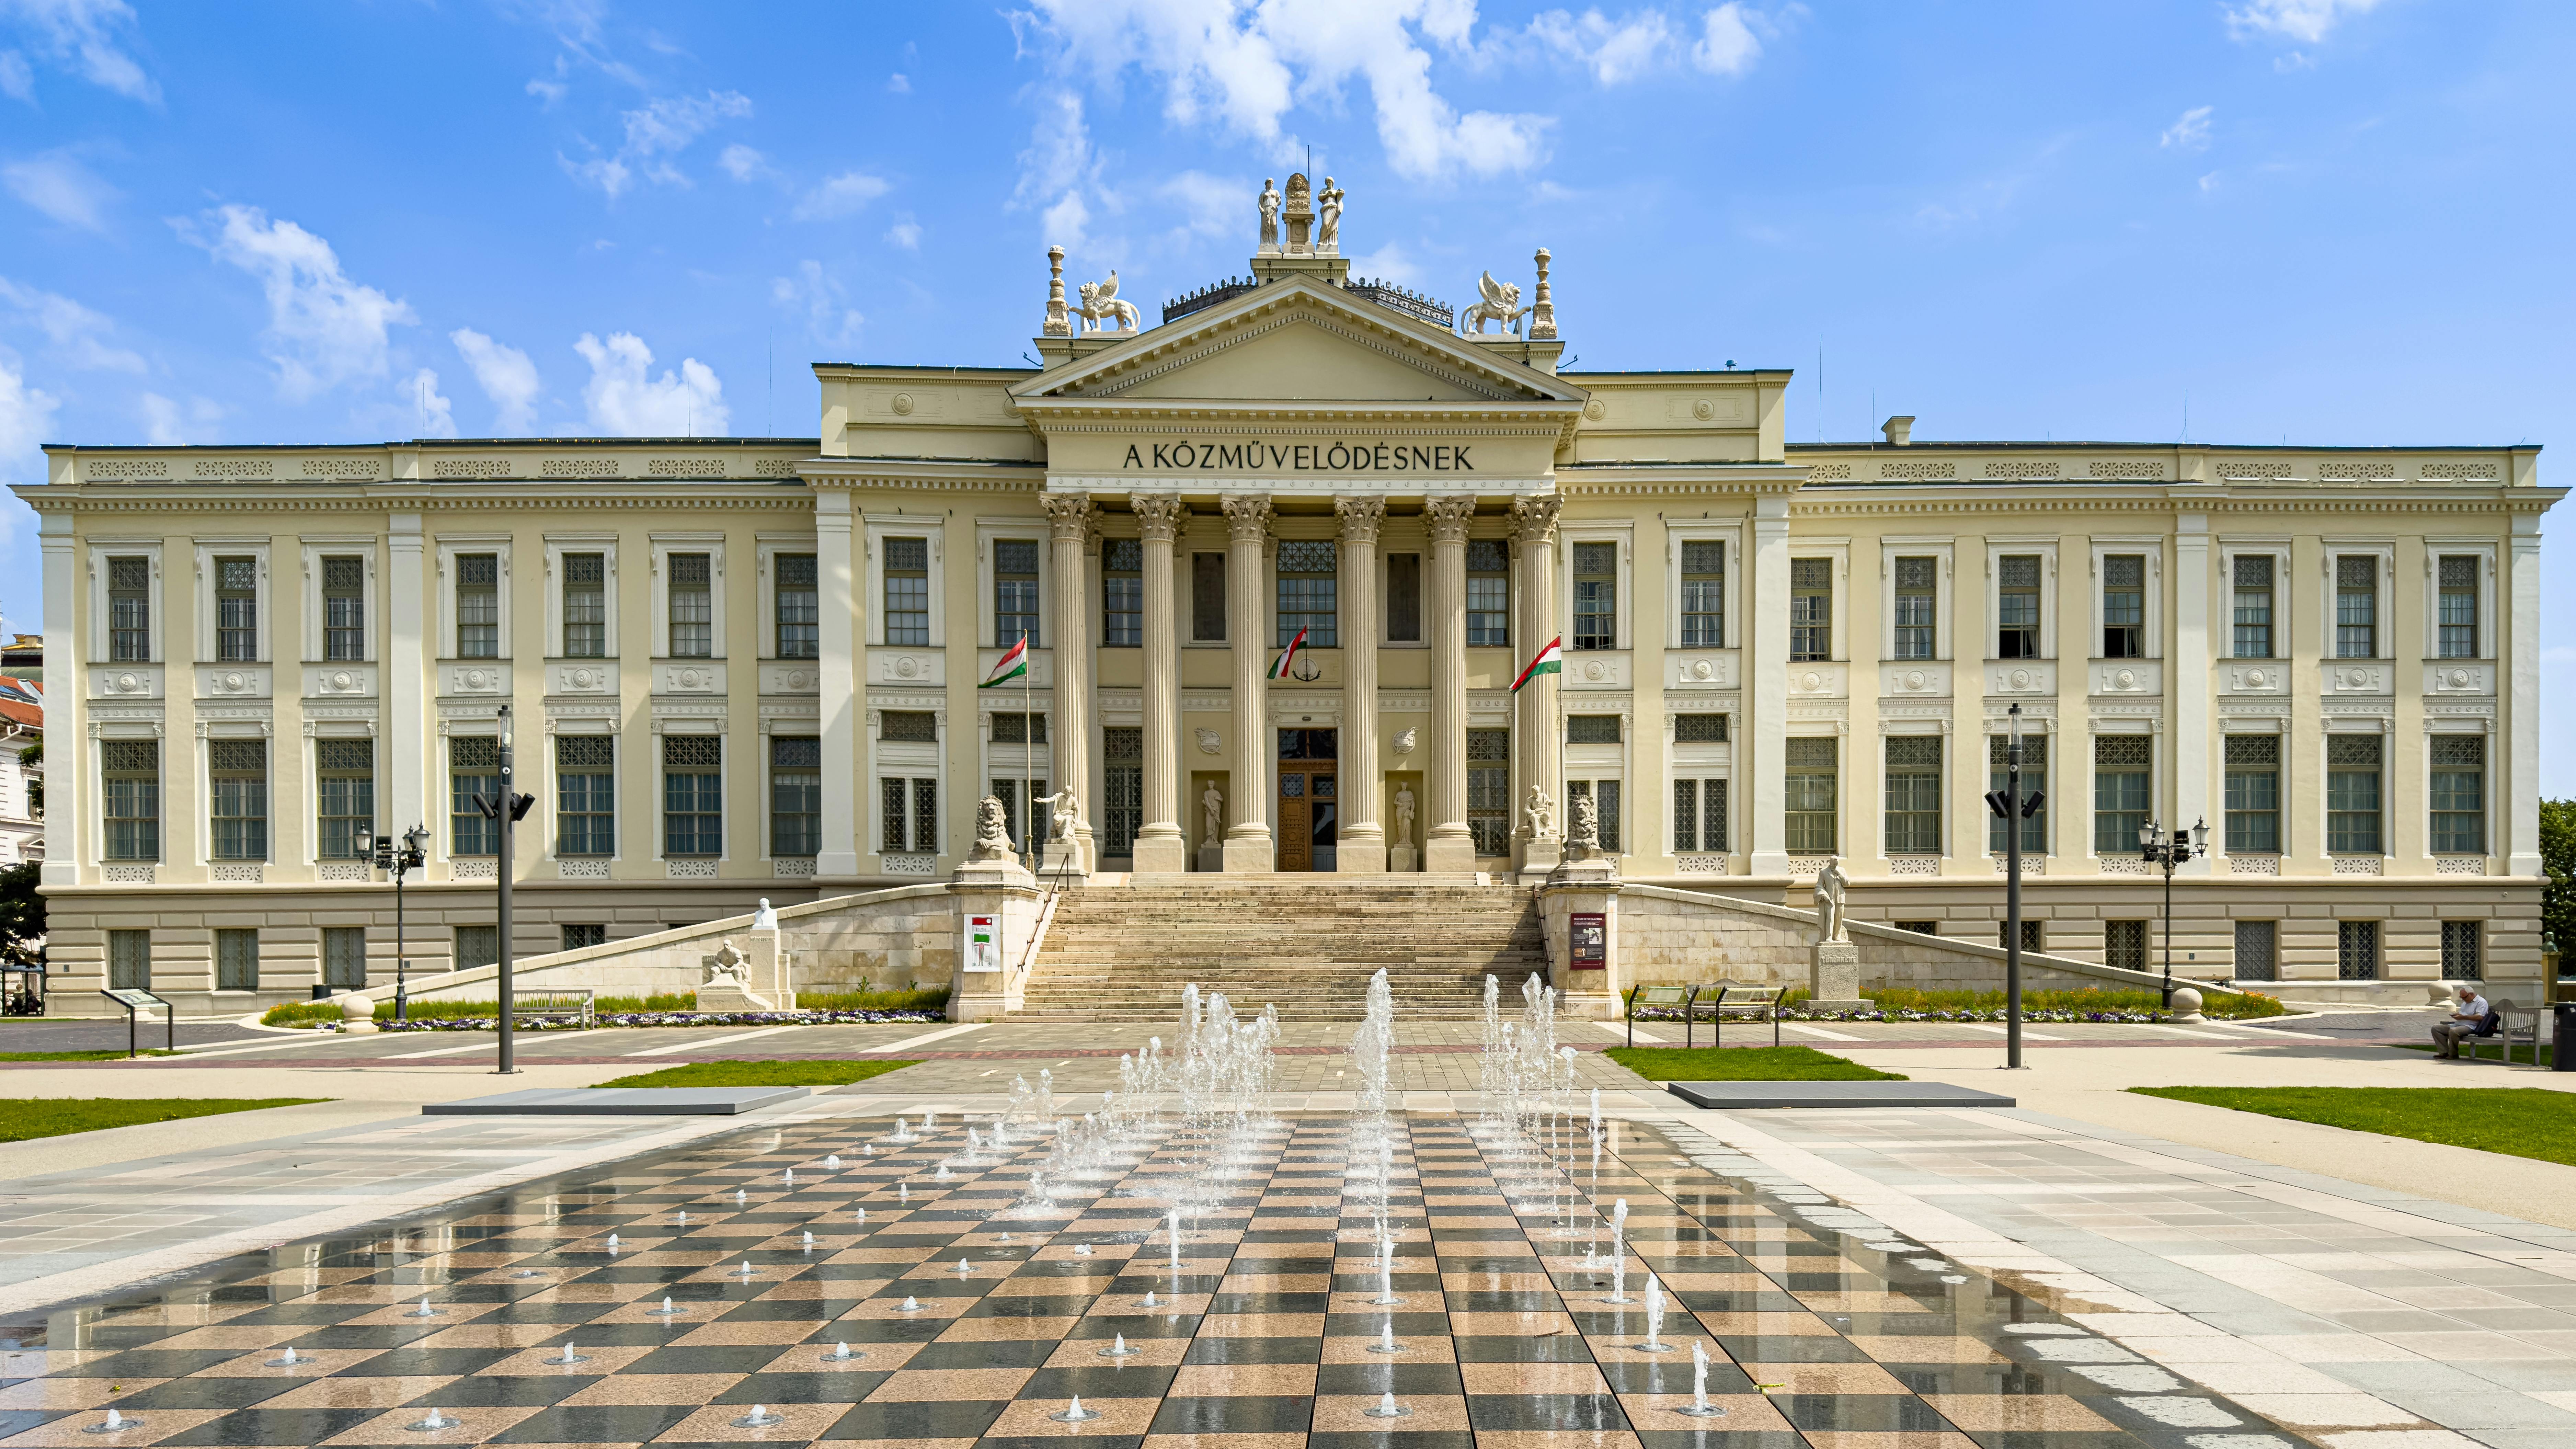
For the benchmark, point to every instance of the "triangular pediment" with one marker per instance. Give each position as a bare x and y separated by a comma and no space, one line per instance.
1297,341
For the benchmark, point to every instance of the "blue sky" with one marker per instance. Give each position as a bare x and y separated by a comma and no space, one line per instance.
2320,220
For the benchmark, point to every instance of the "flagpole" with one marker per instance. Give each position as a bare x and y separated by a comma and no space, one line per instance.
1028,758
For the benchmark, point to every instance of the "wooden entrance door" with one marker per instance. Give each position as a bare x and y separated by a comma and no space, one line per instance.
1309,813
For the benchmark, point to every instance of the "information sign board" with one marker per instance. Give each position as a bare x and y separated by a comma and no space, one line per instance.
983,943
1591,941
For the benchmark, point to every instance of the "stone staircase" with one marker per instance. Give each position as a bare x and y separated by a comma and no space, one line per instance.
1123,953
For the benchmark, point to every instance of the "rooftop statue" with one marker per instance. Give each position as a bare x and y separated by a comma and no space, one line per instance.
1100,304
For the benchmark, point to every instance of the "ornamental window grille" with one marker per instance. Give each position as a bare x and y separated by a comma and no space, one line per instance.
576,934
2122,780
1008,792
2124,606
1810,797
2017,578
692,795
236,609
1309,588
2034,781
799,607
2353,794
2356,950
585,795
907,591
1020,729
1592,729
2253,612
1811,608
129,960
477,946
344,957
1122,593
2034,936
692,599
473,768
1122,804
2258,956
1703,728
1404,598
1699,817
1596,596
2357,606
1704,595
130,771
237,958
2124,945
2459,794
2253,794
344,609
908,814
2463,950
2458,607
478,606
795,796
1489,594
237,777
1914,795
129,610
1605,800
909,727
1917,597
344,796
1015,592
585,605
1489,790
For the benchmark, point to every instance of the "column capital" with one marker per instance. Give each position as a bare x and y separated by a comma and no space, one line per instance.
1247,516
1448,517
1159,516
1534,519
1361,518
1069,515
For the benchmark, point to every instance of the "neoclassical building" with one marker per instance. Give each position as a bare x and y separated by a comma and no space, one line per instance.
744,668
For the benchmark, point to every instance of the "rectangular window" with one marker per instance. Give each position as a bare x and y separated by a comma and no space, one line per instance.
344,608
799,607
478,606
1596,596
129,610
473,768
909,727
1605,799
1489,791
236,609
1917,595
576,936
1810,798
2459,606
1015,592
585,795
795,795
1122,803
1404,598
129,960
344,795
130,802
2352,794
692,795
2459,794
1699,729
237,957
1008,792
909,817
585,605
237,779
1592,729
1020,729
1207,598
2034,781
2258,956
1914,795
2254,606
1811,608
1309,579
1122,593
1489,593
2357,607
2124,945
2356,950
907,591
477,946
2017,606
2124,606
2463,954
1704,595
2034,936
2121,766
2254,794
1699,817
344,957
692,605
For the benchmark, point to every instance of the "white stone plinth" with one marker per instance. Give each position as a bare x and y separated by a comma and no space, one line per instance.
1833,977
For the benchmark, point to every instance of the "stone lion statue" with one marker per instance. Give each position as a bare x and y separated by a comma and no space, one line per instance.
992,833
1501,303
1100,304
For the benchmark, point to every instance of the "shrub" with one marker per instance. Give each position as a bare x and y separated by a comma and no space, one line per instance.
676,1005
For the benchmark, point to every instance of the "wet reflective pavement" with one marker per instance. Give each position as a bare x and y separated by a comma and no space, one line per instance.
1266,1335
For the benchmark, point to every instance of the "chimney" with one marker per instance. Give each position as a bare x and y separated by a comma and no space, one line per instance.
1899,429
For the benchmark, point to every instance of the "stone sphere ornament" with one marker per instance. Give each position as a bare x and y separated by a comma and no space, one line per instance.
2186,1004
358,1014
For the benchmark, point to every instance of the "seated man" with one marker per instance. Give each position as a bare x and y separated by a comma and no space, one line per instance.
2473,1017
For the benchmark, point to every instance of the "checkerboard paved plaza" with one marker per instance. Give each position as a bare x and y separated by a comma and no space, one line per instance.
1265,1336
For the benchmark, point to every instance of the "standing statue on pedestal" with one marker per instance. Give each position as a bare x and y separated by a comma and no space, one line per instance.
1213,803
1269,216
1328,218
1831,924
1404,814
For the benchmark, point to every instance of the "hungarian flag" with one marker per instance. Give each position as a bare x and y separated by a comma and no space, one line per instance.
1010,666
1550,660
1279,666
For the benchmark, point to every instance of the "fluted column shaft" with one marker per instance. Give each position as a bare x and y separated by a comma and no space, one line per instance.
1069,520
1160,846
1536,742
842,661
1361,849
1448,846
1248,846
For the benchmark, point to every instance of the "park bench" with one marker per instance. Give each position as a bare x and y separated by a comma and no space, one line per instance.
1715,1002
574,1003
2513,1023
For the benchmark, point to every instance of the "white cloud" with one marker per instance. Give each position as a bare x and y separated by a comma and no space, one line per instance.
2306,21
840,195
899,84
17,81
2191,133
506,376
77,331
62,188
548,91
323,328
432,415
26,416
655,134
1068,222
742,162
1727,45
1613,50
168,424
1211,205
905,233
2209,182
1389,263
84,37
823,301
624,399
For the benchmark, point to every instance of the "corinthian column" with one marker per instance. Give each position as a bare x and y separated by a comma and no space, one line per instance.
1248,848
1447,845
1160,847
1362,848
1535,740
1069,524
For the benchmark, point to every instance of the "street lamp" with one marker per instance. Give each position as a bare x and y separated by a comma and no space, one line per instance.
398,856
2012,807
2158,849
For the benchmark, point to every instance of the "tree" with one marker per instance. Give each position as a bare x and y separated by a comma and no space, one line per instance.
22,915
2558,857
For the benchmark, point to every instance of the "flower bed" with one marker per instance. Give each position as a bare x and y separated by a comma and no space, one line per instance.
2135,1007
667,1018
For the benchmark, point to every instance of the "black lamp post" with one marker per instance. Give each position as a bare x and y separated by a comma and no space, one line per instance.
504,807
397,856
2159,849
2012,807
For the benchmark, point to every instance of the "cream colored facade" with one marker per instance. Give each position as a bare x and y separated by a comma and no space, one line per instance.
1440,505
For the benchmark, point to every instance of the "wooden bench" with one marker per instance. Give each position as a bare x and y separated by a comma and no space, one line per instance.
2507,1032
574,1003
1714,1002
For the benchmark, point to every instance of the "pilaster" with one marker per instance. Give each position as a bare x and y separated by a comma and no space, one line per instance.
840,635
2522,700
1766,648
65,788
1447,845
409,756
2192,685
1160,847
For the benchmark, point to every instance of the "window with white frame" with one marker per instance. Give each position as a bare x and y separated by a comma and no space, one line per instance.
344,608
586,795
237,781
585,605
344,795
2357,606
2034,782
1489,794
692,795
795,795
236,609
1604,795
473,768
692,605
2353,764
2253,789
1122,593
908,814
1810,800
1918,595
1015,592
1914,795
1596,596
2459,794
797,605
2123,768
1308,578
130,799
2017,582
478,606
1699,815
1703,594
129,610
1489,593
2124,606
907,591
2252,605
2457,617
1811,609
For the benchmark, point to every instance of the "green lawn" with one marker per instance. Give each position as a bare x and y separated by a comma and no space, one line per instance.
761,1074
1744,1064
2521,1054
2518,1121
22,1118
116,1056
